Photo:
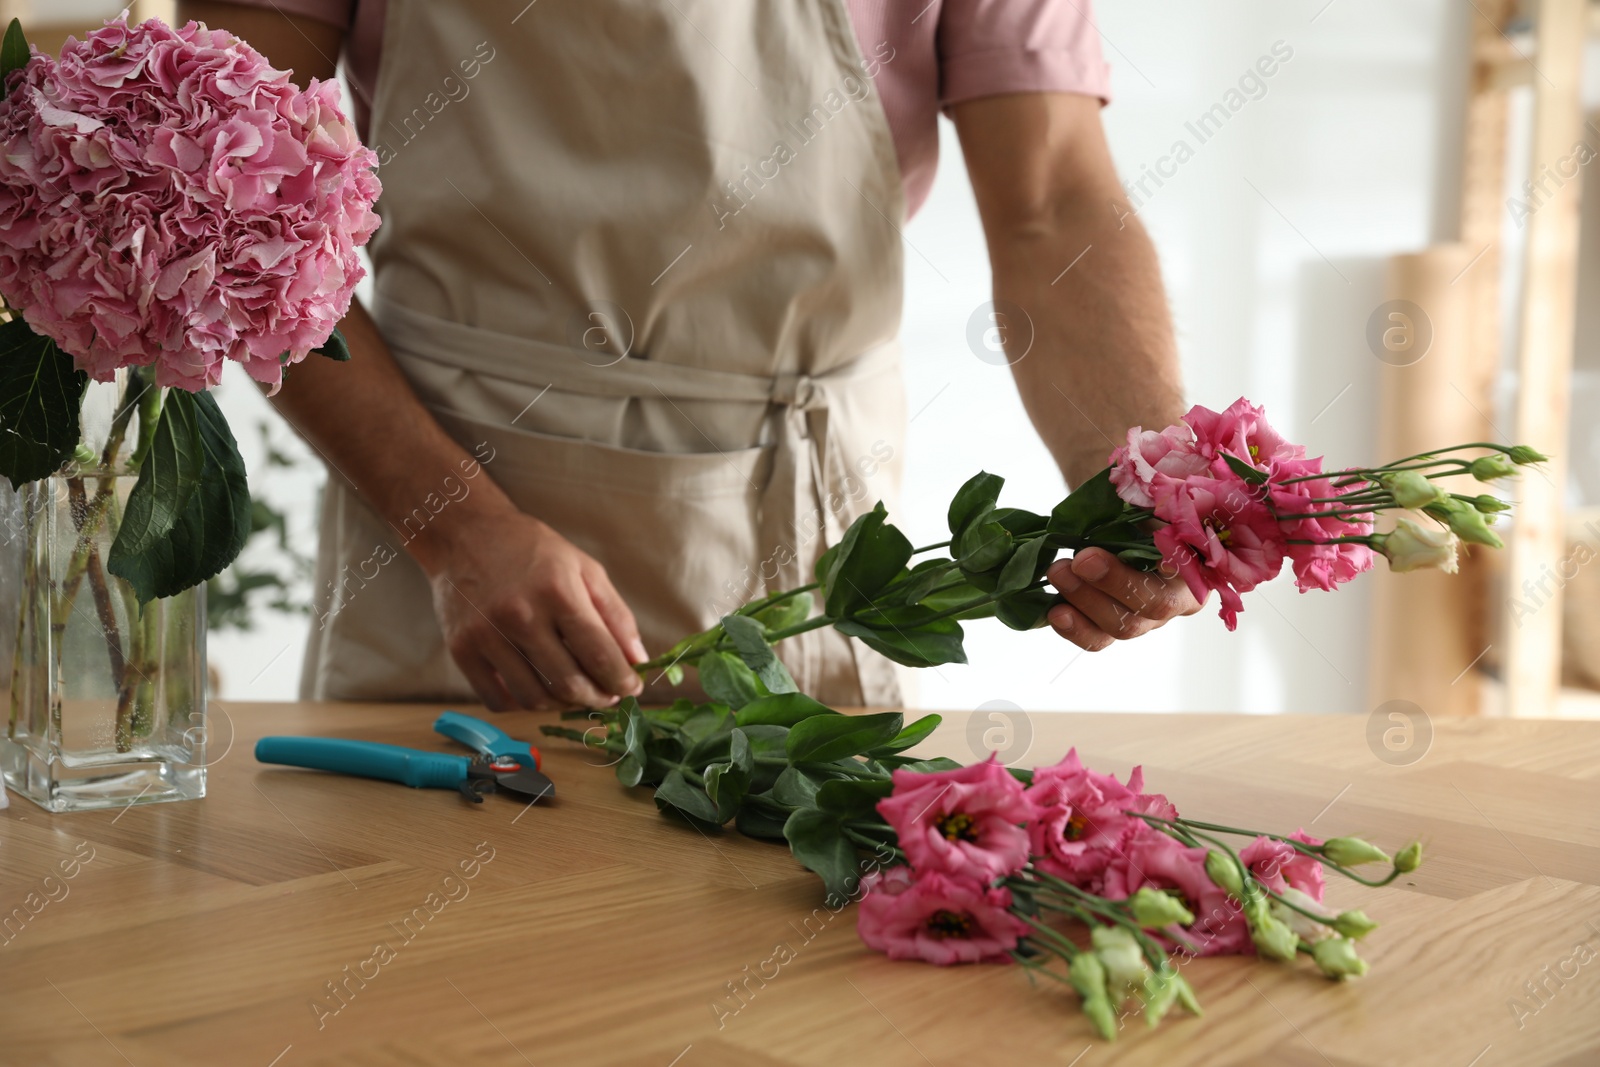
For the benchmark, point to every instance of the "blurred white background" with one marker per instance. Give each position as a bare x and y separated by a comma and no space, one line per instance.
1272,240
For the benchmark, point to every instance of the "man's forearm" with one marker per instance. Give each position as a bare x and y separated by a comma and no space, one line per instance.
368,425
1102,357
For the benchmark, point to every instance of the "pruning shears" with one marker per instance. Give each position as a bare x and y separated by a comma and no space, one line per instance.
502,761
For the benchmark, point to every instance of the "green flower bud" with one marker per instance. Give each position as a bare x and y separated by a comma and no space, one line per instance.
1354,924
1295,918
1411,489
1273,938
1153,909
1409,858
1352,851
1102,1016
1465,521
1164,988
1488,468
84,456
1489,504
1522,455
1088,977
1120,955
1336,957
1410,547
1224,873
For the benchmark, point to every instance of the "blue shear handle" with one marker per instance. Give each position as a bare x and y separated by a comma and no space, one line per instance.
369,759
485,737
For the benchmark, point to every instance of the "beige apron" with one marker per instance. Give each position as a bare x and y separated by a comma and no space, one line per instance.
637,258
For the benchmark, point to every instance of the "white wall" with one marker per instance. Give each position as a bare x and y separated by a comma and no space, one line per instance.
1270,291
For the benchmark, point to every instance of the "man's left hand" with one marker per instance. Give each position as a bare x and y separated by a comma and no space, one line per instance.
1109,601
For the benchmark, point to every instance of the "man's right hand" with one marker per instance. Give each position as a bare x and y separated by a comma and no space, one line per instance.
532,621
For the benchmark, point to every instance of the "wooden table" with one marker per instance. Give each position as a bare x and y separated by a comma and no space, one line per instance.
245,929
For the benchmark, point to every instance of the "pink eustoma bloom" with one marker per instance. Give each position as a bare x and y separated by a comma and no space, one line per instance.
965,822
932,917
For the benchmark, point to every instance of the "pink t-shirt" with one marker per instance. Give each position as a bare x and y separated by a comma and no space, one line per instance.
943,52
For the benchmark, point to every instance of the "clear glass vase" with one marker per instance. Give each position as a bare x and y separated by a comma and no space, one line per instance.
105,698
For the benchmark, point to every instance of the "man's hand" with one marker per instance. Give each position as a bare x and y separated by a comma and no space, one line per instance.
1107,600
531,620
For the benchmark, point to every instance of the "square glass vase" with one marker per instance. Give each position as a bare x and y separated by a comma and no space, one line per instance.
105,698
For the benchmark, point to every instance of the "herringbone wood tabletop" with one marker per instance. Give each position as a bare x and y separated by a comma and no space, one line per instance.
297,918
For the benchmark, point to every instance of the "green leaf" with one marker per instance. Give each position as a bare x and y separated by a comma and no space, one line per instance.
974,499
727,680
913,733
825,738
676,794
750,638
335,347
40,393
817,840
786,613
928,646
1094,503
930,766
635,735
796,788
1020,523
759,823
871,554
14,53
1251,474
1027,610
784,709
984,546
853,798
726,784
167,478
921,581
213,525
1026,566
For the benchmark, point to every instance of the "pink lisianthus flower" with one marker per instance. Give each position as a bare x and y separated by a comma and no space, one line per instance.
167,198
1150,459
1280,866
1327,565
1082,823
1243,432
964,822
1220,536
1159,861
931,917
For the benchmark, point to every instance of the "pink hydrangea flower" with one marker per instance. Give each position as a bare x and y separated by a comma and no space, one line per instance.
932,917
1157,860
1081,824
1281,866
1150,459
1320,566
1221,536
963,822
168,198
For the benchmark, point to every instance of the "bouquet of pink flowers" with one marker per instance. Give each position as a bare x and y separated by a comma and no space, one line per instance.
168,203
964,864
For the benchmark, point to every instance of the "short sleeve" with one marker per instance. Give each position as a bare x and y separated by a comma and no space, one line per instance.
991,47
340,13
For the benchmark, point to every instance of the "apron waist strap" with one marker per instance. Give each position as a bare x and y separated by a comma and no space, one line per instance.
541,363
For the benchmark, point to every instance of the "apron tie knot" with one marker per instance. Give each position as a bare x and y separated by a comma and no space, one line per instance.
798,391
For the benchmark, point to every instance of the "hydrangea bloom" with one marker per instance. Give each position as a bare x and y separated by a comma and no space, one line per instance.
167,198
